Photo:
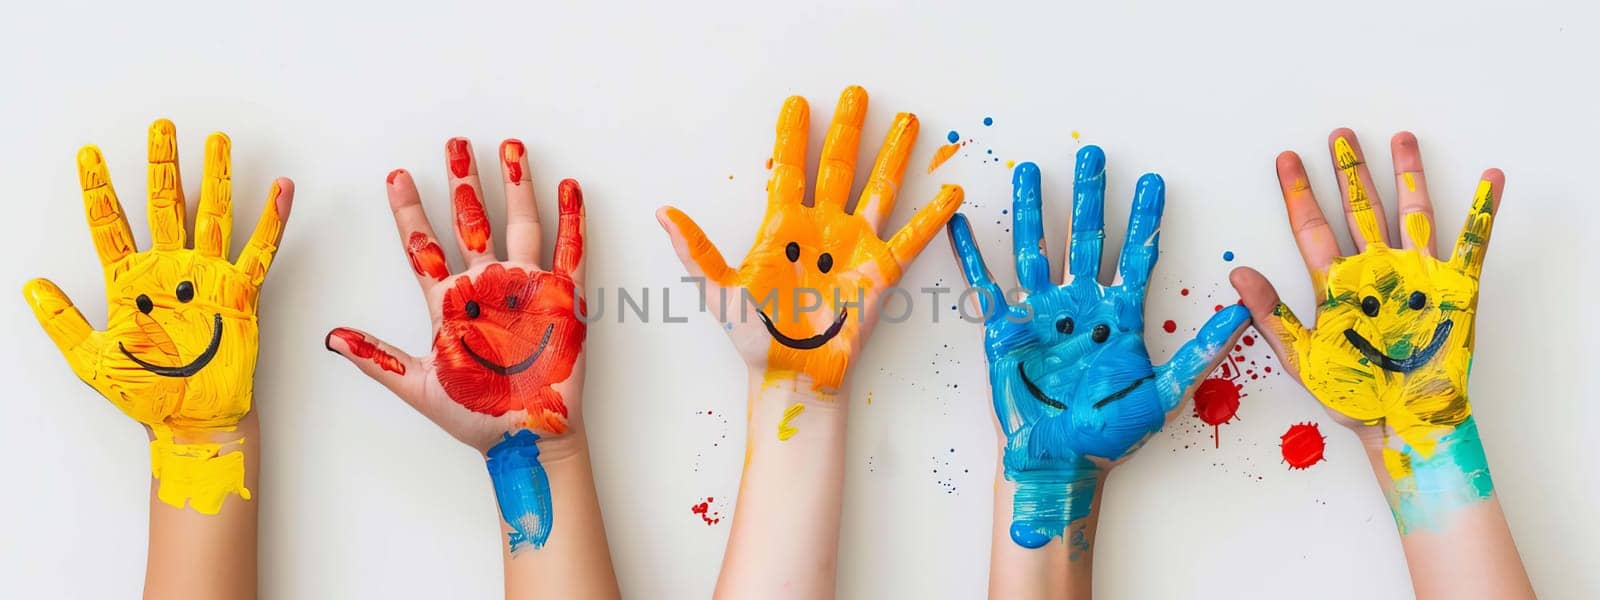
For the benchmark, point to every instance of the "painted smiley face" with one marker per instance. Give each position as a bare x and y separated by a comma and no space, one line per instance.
1086,387
1393,342
506,336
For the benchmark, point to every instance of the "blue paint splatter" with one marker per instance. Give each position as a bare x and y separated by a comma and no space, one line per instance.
987,121
953,136
1228,256
1071,377
523,489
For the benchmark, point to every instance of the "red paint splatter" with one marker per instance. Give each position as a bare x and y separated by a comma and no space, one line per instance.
362,348
1170,326
1184,291
426,256
1216,402
569,231
1302,445
393,174
492,325
511,152
1248,340
471,224
709,515
460,154
1216,308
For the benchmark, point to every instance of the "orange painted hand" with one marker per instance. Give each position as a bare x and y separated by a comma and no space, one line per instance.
804,299
179,350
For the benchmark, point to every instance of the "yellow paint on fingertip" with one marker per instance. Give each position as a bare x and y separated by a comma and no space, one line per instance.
1411,181
785,430
942,154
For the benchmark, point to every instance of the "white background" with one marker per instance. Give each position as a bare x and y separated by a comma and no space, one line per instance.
362,498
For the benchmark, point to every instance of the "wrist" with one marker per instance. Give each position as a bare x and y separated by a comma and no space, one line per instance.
785,409
1425,485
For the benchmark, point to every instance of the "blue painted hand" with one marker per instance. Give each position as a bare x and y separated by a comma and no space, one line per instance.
1070,376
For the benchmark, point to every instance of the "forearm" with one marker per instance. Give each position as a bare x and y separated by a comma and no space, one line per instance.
1454,534
1062,568
785,537
574,561
194,555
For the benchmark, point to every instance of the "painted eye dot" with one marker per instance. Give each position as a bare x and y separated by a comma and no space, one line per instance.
825,262
472,309
792,251
1101,333
1369,305
144,304
1064,325
1418,300
511,301
185,291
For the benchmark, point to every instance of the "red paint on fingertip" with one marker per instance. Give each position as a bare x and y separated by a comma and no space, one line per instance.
571,197
360,347
395,173
511,153
460,153
427,258
471,222
1216,402
1303,445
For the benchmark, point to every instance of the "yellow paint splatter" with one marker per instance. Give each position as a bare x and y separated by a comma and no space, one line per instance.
1011,164
785,430
1076,137
869,398
942,154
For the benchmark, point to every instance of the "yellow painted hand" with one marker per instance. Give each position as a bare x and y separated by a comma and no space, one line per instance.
179,350
1394,329
800,304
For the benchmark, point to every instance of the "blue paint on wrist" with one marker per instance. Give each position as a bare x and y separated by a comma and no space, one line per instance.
522,488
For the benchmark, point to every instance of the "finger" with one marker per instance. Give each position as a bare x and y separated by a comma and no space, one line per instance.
700,257
569,232
788,182
263,245
1271,316
911,239
837,167
1416,210
991,299
213,226
113,240
522,210
888,170
63,323
166,188
1027,229
1088,214
1312,234
390,366
472,223
1142,247
1362,207
416,233
1198,357
1474,240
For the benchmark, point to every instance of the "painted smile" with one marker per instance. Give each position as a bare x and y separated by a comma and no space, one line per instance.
1403,365
815,341
516,368
199,362
1048,401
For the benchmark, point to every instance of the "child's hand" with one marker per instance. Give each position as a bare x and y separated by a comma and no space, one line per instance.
179,350
1073,385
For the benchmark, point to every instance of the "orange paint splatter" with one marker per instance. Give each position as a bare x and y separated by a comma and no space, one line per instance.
471,223
942,154
426,256
362,348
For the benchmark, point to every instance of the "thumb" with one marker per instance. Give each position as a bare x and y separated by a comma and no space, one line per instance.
396,370
63,323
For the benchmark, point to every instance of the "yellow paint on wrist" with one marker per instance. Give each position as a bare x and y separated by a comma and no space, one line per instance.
196,474
785,430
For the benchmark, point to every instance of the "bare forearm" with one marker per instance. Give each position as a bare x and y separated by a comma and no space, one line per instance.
1455,536
194,555
785,537
575,561
1062,568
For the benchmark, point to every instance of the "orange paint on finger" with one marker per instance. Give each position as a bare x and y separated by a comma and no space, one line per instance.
471,223
360,347
511,153
460,156
941,155
426,256
393,174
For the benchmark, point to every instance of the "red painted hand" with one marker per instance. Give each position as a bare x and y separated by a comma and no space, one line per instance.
508,337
